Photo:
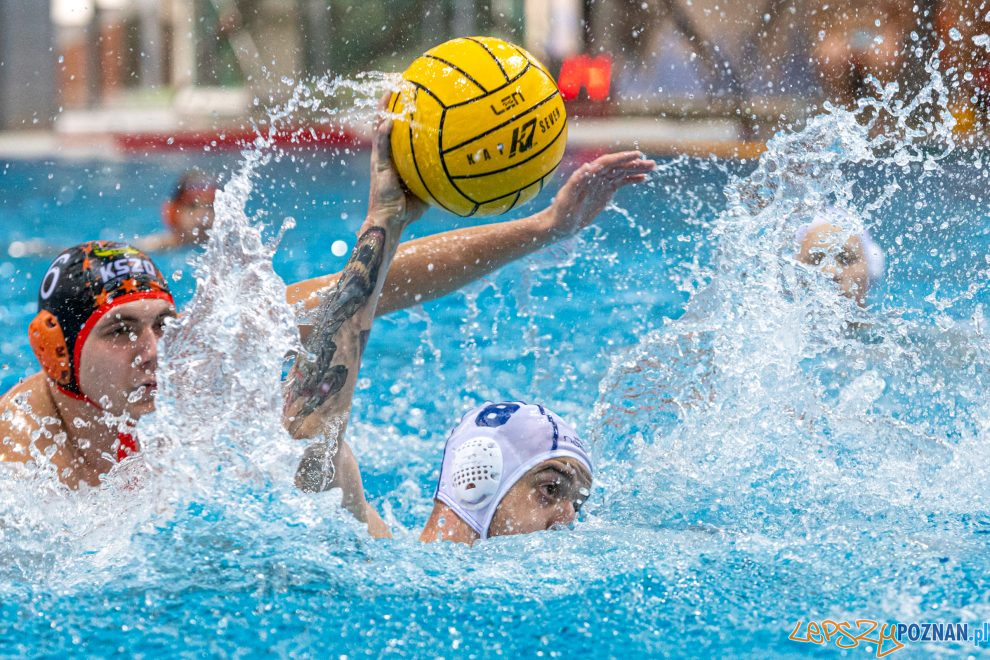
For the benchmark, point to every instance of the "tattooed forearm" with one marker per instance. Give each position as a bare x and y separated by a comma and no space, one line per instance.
314,378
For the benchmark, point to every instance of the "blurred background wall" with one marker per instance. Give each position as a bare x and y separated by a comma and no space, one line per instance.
28,92
211,58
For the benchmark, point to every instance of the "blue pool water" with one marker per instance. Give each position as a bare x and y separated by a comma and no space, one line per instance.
773,456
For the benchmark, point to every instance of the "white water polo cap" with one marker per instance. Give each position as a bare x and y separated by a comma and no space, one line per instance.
492,448
872,253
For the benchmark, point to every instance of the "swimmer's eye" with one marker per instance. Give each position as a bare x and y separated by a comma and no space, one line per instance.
550,490
119,331
815,258
160,325
846,258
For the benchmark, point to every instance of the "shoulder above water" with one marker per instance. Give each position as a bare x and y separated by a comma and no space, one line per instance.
25,409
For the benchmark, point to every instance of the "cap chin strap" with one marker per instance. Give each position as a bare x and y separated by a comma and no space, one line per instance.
77,396
127,444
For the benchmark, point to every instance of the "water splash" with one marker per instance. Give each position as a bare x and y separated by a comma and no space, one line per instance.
215,447
217,429
776,445
778,409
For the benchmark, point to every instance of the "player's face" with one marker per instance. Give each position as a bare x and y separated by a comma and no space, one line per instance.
839,256
547,497
195,215
118,361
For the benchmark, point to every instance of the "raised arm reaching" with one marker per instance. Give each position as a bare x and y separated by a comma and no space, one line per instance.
320,385
434,266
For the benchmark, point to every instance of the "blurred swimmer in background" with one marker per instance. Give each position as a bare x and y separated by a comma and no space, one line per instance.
858,40
187,215
962,26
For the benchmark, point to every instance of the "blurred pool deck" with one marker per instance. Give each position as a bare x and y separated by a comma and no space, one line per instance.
111,134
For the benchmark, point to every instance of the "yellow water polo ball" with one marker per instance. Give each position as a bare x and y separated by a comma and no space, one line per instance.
480,126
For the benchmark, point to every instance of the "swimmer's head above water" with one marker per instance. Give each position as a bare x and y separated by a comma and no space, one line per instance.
509,468
852,259
95,303
189,214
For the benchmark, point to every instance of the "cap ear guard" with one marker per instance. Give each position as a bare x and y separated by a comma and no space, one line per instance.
492,448
476,472
49,346
873,255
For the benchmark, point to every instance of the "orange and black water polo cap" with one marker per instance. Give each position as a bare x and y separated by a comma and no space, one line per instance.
81,285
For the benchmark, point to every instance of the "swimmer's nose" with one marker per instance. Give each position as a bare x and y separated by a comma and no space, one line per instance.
147,349
834,272
564,514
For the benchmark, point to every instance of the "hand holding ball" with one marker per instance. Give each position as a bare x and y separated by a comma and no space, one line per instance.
480,126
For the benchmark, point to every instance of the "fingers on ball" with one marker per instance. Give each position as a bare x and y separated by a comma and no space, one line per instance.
383,144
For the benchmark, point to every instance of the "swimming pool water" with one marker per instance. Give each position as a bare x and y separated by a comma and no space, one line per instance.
692,544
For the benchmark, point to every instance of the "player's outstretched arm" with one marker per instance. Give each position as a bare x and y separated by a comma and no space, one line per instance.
434,266
320,385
